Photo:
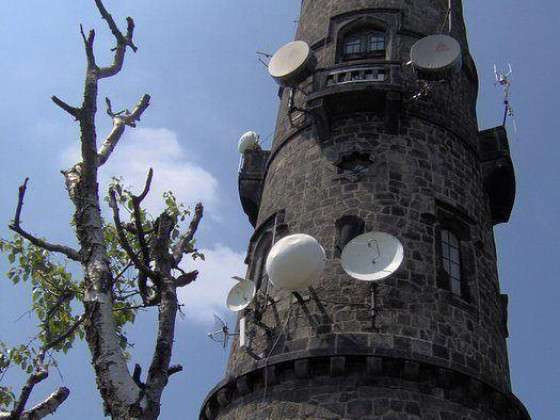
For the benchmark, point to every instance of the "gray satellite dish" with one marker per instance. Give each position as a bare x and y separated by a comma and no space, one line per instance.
436,57
372,256
241,295
292,64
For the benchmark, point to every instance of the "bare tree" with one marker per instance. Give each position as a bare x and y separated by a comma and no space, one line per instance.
151,249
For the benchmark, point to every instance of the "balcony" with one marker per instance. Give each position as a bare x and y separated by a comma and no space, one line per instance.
355,88
498,172
251,175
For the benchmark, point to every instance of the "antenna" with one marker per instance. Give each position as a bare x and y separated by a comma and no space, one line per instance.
372,256
261,56
221,333
504,80
448,18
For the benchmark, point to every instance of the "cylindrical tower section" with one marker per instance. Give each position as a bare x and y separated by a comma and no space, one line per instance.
363,145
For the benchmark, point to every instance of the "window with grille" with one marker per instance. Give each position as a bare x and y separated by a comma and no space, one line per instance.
364,44
376,42
451,260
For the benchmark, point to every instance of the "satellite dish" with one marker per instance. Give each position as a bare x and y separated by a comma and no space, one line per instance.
241,295
248,141
372,256
295,261
292,64
436,57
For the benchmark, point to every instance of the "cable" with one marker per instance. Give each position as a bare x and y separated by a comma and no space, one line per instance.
282,332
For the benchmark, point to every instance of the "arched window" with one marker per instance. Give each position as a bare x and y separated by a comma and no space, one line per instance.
347,228
451,260
258,272
365,43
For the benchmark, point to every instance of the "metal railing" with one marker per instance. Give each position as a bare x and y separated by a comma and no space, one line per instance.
356,75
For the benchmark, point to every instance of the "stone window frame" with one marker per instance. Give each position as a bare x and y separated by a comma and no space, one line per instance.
260,245
347,228
452,220
258,261
450,248
364,159
362,27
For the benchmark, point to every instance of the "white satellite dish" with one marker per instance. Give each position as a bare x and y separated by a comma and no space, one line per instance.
372,256
436,57
248,141
241,295
292,64
295,262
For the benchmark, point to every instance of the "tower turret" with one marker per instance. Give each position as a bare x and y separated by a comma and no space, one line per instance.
366,143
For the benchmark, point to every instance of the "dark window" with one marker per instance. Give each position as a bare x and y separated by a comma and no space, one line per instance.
353,45
258,274
363,44
273,228
376,42
451,260
347,228
355,163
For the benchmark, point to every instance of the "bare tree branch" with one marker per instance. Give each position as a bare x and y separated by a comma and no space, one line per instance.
183,245
154,276
120,121
48,406
54,400
186,279
136,376
16,227
88,45
158,374
124,270
126,40
60,339
62,299
123,41
41,410
75,112
136,202
174,369
33,380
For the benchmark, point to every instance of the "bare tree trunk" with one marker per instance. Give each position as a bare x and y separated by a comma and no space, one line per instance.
124,395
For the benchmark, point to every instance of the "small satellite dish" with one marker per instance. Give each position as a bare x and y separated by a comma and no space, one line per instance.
241,295
436,57
295,262
292,64
372,256
248,141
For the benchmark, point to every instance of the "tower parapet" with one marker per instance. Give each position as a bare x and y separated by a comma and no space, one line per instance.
356,149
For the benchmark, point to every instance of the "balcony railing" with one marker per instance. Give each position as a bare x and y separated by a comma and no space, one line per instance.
387,76
356,75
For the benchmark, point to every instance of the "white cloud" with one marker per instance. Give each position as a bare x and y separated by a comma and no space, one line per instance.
160,149
157,148
207,295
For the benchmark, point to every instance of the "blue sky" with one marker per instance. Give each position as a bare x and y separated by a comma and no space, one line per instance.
197,60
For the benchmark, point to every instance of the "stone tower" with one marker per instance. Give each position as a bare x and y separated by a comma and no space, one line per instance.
357,150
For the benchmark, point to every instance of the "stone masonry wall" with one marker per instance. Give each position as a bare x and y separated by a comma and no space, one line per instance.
398,194
327,398
424,352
